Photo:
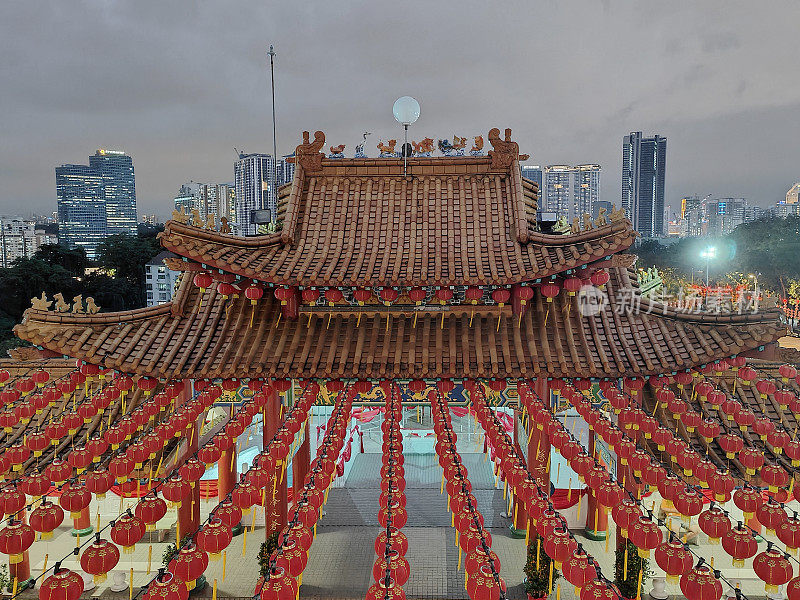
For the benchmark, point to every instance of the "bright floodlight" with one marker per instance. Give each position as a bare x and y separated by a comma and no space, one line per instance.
406,110
709,252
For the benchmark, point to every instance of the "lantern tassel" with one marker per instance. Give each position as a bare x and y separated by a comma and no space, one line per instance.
546,314
224,563
130,586
214,591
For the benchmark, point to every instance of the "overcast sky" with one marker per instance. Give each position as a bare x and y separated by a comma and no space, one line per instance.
178,85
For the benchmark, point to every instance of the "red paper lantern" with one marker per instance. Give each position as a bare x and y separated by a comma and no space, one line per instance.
127,531
166,586
74,498
46,518
674,559
740,545
189,564
577,570
747,500
714,523
175,490
279,586
701,584
773,568
63,584
99,558
645,535
214,537
396,564
15,539
482,585
151,509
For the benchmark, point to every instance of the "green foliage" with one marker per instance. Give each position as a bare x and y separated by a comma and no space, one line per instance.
5,578
56,269
266,550
171,550
628,585
537,581
768,247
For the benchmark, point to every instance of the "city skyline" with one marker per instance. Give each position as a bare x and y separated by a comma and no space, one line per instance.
705,79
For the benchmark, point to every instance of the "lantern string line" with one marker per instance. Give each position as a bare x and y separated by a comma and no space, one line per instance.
444,411
105,460
337,413
76,550
778,425
662,523
699,490
7,443
546,494
189,538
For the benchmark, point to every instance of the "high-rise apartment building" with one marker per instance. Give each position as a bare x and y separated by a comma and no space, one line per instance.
160,280
725,214
643,174
256,180
216,199
533,173
693,216
558,190
585,189
571,191
97,200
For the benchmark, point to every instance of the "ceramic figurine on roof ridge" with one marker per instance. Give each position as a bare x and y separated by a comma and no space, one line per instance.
477,146
360,147
387,150
423,148
337,151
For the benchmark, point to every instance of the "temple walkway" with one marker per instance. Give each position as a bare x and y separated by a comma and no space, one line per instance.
341,559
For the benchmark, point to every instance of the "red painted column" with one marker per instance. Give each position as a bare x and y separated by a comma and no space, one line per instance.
301,462
21,570
227,472
519,516
82,525
275,499
596,518
189,511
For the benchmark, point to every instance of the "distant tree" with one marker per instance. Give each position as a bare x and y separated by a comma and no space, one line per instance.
125,257
74,260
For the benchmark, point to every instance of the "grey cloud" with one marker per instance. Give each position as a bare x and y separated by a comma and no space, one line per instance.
178,85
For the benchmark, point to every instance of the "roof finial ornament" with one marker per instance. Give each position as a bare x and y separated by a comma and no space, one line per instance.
308,154
337,151
505,152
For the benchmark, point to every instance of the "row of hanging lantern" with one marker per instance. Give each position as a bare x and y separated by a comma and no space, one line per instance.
733,442
580,569
73,496
481,565
101,555
228,285
700,582
288,561
772,566
391,569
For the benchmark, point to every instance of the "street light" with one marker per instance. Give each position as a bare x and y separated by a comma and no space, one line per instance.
708,253
406,112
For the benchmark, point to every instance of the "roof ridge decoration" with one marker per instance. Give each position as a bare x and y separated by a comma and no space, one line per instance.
505,153
308,155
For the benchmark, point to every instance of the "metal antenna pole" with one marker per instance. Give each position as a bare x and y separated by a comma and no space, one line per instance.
274,186
405,152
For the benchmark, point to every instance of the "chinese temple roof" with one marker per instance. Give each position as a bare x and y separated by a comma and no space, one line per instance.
200,334
359,222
